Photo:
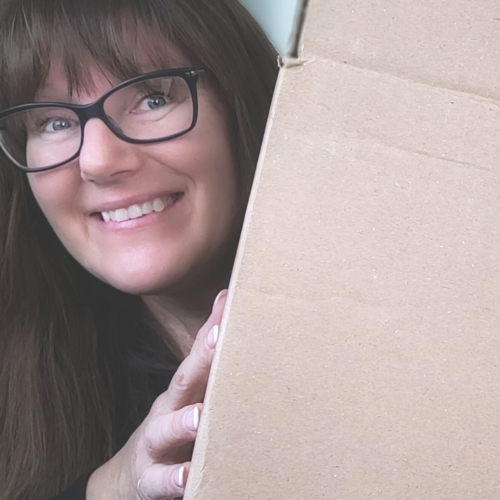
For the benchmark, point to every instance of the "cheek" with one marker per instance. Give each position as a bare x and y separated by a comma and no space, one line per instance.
56,193
205,156
216,189
213,153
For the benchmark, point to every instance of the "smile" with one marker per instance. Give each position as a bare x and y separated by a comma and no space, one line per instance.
136,211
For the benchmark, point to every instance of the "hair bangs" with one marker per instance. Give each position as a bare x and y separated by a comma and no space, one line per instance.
124,41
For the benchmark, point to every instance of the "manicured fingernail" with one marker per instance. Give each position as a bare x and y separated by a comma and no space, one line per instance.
179,477
193,419
213,336
223,293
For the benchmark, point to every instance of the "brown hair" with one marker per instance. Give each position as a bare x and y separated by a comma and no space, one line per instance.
60,328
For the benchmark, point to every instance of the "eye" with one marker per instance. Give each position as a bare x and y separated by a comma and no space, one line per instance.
155,94
57,125
52,124
153,102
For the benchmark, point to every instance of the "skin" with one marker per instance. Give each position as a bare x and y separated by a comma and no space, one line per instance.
177,262
161,446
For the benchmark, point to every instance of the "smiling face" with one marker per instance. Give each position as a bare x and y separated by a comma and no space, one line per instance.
180,197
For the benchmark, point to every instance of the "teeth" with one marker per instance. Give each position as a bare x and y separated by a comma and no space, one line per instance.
158,205
136,211
147,208
121,215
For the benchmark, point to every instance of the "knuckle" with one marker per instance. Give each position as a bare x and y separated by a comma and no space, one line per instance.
150,436
202,357
177,429
182,380
159,403
164,434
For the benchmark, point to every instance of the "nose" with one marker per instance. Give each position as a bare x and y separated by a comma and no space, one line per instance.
104,157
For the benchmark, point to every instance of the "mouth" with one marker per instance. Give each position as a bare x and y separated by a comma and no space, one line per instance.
137,211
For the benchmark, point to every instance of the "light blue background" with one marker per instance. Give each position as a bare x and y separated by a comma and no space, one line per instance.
278,18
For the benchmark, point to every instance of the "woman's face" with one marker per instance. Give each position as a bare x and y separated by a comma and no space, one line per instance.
193,176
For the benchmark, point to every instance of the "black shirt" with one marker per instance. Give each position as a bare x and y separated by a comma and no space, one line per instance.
146,374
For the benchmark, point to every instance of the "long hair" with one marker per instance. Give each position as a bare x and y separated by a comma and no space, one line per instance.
62,332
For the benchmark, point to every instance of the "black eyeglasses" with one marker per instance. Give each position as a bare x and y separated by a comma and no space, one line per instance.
149,108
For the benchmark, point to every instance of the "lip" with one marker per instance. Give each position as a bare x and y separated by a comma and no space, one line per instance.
132,200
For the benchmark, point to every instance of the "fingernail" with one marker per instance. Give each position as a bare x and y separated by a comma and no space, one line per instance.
193,419
213,336
221,294
179,477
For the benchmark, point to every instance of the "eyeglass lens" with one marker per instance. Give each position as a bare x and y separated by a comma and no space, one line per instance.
153,109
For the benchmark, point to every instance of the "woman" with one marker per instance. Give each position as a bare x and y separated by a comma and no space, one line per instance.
121,204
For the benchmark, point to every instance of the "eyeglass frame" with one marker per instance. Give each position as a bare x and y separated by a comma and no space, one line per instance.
85,112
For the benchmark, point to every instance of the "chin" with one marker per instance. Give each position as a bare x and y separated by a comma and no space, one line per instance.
141,270
139,282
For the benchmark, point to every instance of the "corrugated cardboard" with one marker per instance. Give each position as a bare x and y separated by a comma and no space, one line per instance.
360,356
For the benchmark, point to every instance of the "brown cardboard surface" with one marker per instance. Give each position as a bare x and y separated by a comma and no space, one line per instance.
360,356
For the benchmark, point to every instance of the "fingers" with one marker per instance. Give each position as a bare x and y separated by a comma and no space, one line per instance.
160,482
166,433
190,381
170,430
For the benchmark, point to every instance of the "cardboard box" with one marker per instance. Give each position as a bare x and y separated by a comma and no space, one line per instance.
361,346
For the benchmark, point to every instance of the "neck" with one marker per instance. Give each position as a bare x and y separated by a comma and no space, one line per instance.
182,310
181,317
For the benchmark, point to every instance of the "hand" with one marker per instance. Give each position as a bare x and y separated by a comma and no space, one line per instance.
159,452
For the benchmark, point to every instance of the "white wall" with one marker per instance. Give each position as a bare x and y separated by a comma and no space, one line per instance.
278,18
